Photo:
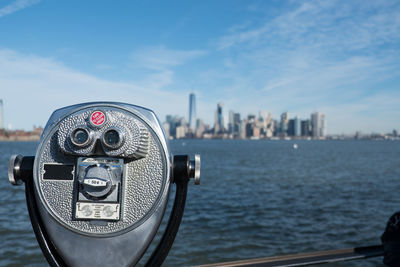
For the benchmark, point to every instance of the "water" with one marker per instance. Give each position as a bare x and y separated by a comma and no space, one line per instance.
256,199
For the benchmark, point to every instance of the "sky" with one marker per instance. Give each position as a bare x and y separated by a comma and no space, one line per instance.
341,58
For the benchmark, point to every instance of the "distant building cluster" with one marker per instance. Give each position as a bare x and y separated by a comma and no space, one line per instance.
251,127
17,135
21,135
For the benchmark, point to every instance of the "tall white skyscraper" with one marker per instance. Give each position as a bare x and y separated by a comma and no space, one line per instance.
1,114
318,125
192,112
297,126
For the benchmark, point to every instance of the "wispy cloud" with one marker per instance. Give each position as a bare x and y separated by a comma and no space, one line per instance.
350,25
42,85
16,6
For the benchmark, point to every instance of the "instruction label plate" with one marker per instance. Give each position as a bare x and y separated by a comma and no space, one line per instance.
97,211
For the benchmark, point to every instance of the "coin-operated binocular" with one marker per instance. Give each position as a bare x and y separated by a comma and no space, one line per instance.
98,186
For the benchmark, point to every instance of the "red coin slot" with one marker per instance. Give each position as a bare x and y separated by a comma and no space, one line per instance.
98,118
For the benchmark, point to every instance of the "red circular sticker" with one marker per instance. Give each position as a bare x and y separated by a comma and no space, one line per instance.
97,118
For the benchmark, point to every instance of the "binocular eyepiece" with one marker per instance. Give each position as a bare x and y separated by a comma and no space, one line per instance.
98,185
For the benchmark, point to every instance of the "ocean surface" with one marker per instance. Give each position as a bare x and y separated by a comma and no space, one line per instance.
256,199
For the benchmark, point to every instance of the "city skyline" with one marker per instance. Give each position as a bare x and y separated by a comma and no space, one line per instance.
263,126
225,118
339,58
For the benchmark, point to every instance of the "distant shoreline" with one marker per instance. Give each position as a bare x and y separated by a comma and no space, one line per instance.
21,135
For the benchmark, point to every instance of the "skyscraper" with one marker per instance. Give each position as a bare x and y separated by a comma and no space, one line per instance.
219,119
297,126
192,112
1,114
290,129
284,122
230,123
318,124
305,128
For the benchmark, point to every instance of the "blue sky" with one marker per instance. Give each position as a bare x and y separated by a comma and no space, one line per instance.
341,58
